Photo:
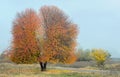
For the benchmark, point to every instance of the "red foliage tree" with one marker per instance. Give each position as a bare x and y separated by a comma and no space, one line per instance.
51,39
24,45
60,36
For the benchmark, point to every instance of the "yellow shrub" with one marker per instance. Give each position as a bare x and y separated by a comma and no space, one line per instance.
99,55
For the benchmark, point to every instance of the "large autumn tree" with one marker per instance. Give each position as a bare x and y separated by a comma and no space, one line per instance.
47,37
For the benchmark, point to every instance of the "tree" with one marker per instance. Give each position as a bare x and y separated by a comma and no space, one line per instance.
60,36
47,37
4,57
24,47
83,55
100,56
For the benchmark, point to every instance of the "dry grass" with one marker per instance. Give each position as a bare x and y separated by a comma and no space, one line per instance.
33,70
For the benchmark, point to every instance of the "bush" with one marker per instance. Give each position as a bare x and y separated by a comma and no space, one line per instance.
100,56
83,55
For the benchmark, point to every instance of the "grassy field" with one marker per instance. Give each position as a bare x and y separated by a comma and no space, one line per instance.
33,70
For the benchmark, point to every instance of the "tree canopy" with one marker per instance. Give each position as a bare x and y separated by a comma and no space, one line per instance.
45,37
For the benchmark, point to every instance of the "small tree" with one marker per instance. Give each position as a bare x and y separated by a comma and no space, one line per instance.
100,56
4,57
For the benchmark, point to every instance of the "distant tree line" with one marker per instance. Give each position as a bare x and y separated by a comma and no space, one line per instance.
4,57
98,55
83,55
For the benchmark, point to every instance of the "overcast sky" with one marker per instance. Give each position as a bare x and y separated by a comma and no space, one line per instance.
98,21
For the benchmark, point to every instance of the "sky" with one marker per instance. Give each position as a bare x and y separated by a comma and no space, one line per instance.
98,21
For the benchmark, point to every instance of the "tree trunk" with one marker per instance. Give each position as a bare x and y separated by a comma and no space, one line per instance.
43,66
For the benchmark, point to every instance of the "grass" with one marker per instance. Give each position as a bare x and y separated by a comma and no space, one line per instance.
52,75
33,70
